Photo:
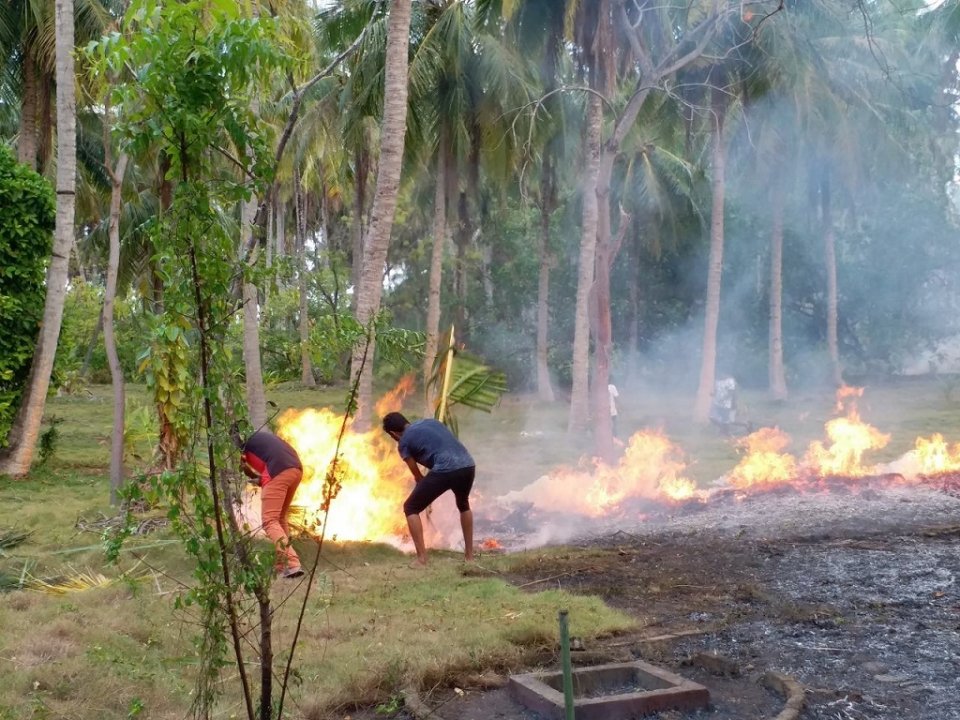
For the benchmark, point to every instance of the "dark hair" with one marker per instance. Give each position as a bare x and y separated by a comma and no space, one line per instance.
394,422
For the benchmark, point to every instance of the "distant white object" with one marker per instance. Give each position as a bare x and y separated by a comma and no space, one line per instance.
612,390
723,410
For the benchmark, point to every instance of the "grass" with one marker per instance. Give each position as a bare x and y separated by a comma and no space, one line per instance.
374,625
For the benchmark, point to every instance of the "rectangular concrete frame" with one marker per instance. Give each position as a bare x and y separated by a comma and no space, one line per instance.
543,692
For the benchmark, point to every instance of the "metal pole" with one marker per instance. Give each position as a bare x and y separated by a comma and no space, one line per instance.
565,663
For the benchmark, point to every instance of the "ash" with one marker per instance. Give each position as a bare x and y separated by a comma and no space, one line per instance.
850,587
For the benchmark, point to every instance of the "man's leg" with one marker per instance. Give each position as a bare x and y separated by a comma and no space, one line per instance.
461,486
466,524
272,499
416,534
426,491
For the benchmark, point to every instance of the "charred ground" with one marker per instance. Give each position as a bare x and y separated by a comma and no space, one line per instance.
854,595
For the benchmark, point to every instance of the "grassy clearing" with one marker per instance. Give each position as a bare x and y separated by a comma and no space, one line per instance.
372,626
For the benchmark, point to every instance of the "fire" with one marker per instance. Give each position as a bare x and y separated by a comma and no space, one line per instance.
765,462
934,456
394,398
375,481
847,397
850,438
652,467
491,544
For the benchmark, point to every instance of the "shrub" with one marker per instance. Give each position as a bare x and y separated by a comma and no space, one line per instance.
27,211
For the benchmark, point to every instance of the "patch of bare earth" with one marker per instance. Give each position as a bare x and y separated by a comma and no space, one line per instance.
851,590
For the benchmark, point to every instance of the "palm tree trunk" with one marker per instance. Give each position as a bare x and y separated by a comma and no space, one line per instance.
579,397
256,397
708,360
602,323
830,261
778,381
385,196
544,386
45,118
356,229
27,142
26,427
109,340
436,272
306,368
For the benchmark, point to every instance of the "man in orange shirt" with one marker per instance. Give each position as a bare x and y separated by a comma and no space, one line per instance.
275,466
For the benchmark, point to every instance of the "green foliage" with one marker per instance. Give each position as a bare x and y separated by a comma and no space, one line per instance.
81,314
197,67
166,367
26,226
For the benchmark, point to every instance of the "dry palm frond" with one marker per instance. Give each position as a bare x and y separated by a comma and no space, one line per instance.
75,581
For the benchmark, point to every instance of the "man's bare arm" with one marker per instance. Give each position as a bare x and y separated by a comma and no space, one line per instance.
415,469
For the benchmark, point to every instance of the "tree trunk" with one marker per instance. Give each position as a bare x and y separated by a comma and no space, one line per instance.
708,361
253,372
109,340
778,381
579,398
547,185
830,261
361,167
26,428
27,142
306,368
460,266
385,196
602,325
45,118
436,272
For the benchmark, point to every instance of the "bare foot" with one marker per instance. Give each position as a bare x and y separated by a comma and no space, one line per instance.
418,564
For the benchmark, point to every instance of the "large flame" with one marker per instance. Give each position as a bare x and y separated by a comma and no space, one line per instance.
764,463
850,438
375,479
652,467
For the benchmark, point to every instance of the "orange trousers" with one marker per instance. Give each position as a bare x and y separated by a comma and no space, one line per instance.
275,501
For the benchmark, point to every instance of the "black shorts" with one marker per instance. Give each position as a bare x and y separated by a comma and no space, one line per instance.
436,484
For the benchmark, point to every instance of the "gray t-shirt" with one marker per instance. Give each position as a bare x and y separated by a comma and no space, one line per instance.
431,444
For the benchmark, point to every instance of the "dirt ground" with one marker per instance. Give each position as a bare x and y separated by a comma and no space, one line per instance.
851,590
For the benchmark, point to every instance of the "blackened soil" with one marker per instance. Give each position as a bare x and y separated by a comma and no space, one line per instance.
867,620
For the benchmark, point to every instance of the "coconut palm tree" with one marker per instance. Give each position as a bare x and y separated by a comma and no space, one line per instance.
377,238
23,435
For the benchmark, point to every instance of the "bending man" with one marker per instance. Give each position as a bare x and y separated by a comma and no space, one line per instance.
275,466
431,444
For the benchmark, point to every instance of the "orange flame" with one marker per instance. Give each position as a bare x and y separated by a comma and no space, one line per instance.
491,544
764,463
652,467
393,400
934,456
847,397
850,438
375,480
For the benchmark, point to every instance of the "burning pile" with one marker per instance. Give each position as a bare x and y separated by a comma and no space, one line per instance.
651,468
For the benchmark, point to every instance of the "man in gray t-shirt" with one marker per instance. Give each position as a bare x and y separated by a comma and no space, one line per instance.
431,444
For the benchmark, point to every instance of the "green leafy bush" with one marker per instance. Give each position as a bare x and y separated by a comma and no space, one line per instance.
27,212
